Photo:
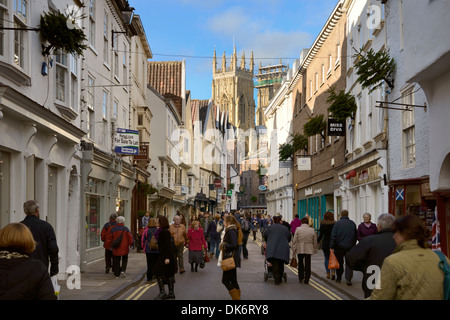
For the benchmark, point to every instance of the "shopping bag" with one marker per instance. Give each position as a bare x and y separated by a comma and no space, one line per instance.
207,259
202,264
333,262
56,286
293,263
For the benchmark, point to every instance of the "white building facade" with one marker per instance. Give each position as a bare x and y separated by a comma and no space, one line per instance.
278,120
164,140
423,32
39,126
408,149
363,189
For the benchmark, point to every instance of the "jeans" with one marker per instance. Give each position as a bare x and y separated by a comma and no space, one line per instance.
179,255
215,242
326,254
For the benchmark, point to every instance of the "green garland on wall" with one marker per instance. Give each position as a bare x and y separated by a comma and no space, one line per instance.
54,28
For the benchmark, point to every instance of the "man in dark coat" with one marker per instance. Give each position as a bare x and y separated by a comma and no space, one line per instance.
343,238
372,250
46,249
277,237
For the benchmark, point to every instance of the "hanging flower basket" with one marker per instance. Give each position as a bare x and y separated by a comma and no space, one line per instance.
54,28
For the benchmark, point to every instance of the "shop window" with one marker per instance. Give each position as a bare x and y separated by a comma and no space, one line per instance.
93,221
94,200
407,200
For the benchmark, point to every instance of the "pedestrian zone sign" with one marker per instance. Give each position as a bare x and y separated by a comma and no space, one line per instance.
400,194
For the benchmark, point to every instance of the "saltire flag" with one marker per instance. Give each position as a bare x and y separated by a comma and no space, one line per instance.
435,233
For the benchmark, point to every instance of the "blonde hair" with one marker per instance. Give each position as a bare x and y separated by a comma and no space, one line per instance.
17,237
152,223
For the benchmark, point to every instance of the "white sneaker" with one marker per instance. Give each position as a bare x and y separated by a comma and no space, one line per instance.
123,274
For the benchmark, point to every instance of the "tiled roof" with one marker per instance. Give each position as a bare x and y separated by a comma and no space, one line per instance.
166,78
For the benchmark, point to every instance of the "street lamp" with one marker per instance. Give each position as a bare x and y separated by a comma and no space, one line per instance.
127,14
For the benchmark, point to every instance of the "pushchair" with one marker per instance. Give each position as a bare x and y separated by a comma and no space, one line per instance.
268,273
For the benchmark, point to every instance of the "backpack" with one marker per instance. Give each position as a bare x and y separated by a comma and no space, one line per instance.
245,225
445,267
152,244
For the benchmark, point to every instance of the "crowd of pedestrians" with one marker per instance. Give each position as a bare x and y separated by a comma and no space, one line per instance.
396,247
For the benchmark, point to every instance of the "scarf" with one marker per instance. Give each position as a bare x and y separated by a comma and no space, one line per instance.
157,232
12,255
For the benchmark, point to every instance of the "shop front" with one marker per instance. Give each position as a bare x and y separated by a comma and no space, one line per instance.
107,183
364,188
315,200
413,196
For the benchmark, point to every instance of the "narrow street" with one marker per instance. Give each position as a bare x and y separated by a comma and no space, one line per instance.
206,283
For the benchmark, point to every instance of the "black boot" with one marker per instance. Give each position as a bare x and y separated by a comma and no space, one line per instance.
162,294
171,294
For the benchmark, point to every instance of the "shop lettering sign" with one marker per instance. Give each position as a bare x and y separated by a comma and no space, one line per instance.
336,128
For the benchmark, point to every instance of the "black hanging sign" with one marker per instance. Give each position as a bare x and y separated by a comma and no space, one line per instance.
336,128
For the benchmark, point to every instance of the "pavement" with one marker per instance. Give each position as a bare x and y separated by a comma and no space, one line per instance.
95,284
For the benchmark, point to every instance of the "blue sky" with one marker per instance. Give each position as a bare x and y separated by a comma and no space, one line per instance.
192,29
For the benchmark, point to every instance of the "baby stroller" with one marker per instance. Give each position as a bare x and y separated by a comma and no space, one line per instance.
268,273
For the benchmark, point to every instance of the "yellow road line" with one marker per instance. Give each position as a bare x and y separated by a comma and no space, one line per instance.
313,283
319,287
140,291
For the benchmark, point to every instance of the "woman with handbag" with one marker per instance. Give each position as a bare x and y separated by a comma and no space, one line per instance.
196,244
230,257
326,226
304,245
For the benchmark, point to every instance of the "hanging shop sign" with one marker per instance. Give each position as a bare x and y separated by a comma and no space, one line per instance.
336,128
217,183
126,142
304,164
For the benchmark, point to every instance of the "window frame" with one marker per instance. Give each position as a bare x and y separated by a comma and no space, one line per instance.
408,125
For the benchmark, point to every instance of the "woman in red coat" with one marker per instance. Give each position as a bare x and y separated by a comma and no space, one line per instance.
196,243
120,252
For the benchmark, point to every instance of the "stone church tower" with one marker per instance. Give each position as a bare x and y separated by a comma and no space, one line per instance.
232,90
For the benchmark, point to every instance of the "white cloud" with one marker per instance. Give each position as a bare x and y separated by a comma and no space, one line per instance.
257,34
